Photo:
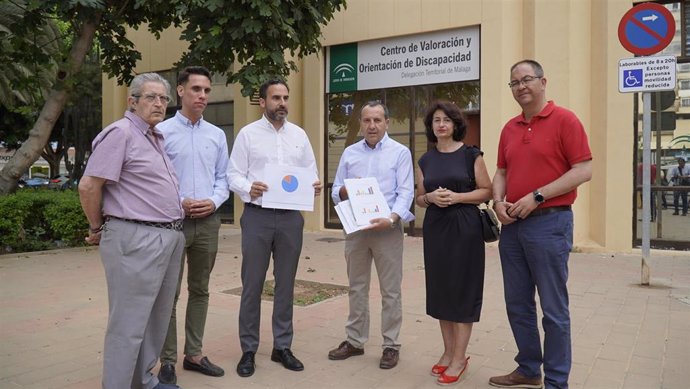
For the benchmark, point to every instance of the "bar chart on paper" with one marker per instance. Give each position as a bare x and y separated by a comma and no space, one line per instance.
366,199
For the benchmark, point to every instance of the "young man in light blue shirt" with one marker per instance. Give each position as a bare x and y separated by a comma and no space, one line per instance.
199,153
390,162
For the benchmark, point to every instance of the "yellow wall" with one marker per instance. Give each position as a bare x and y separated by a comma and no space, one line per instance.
575,40
577,43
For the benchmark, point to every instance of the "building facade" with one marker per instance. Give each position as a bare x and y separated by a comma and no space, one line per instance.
409,52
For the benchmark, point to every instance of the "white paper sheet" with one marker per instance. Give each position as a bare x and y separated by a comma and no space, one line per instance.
366,199
347,217
289,187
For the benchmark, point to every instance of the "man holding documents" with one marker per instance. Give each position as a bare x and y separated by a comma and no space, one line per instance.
275,141
390,163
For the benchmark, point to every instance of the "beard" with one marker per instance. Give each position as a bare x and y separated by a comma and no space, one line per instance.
277,115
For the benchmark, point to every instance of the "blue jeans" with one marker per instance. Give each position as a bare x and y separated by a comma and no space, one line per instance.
534,256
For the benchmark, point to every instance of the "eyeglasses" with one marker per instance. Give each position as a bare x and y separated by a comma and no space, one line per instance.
523,81
151,98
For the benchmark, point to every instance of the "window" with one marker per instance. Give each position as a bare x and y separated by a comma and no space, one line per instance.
684,84
685,102
407,107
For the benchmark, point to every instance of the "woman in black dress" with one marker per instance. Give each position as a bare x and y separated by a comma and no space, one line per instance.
453,243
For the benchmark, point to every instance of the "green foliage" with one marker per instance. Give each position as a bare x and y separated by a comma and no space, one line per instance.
29,61
257,34
37,219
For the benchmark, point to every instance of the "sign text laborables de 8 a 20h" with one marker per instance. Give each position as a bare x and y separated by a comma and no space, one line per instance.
429,58
647,74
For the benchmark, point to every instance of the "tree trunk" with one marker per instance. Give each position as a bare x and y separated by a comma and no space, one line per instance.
53,157
39,135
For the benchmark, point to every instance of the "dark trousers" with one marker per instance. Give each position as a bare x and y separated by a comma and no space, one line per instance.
267,232
534,257
683,195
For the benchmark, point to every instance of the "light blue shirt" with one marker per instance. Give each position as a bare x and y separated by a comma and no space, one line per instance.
390,162
199,154
676,172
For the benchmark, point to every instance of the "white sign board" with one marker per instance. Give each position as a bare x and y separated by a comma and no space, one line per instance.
429,58
647,74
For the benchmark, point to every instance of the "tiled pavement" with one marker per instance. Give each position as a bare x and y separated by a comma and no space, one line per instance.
53,310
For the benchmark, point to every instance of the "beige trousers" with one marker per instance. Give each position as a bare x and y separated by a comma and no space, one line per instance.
385,249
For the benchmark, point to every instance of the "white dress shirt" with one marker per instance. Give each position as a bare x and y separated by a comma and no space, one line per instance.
199,153
390,162
259,143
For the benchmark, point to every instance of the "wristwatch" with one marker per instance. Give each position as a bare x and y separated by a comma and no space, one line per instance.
392,222
538,197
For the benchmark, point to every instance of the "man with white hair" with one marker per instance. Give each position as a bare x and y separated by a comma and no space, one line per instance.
130,196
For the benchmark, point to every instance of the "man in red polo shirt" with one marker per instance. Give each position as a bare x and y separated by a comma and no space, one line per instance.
543,156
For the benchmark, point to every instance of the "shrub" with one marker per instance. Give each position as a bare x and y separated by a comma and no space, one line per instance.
41,219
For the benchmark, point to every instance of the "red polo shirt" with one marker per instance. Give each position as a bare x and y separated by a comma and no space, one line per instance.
538,152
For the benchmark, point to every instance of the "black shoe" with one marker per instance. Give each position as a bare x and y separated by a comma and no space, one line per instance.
166,374
204,367
675,213
288,360
246,366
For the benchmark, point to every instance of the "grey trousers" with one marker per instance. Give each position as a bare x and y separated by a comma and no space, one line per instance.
142,265
201,247
266,232
385,249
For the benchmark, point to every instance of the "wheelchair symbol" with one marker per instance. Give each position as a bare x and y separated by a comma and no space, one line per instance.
631,80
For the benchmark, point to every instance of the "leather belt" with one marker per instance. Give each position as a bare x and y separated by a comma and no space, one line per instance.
548,210
175,225
252,205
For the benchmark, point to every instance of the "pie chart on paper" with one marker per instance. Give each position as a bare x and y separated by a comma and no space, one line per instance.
290,183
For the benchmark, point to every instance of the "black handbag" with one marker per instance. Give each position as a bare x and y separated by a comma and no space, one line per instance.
490,229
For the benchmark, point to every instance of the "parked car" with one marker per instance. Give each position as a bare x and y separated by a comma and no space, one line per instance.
36,182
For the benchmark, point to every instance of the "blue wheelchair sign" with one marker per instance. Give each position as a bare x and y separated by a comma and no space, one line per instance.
633,78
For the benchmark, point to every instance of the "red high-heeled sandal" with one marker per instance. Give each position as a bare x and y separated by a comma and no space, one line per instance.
437,370
445,379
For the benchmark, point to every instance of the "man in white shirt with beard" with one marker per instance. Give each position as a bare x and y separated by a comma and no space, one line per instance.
268,231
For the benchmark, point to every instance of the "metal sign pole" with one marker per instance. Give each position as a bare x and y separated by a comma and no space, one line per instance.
637,26
657,161
646,187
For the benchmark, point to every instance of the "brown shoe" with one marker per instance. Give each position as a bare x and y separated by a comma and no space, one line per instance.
516,380
390,358
344,351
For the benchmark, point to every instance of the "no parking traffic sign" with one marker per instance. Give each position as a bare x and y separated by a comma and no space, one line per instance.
646,29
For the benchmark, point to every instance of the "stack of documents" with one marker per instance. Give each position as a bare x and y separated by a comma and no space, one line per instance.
366,202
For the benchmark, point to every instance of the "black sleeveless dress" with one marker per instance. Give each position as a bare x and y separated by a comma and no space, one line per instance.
453,243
